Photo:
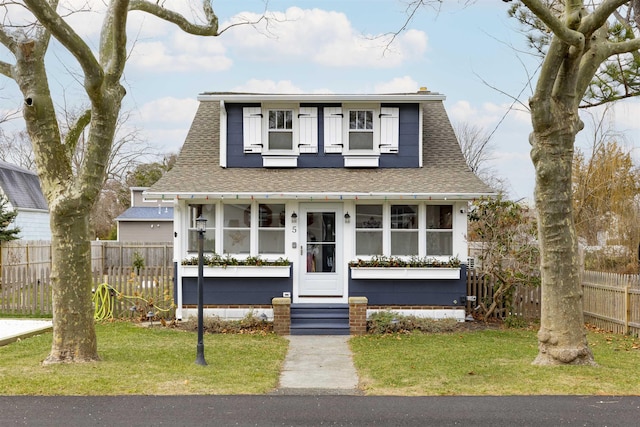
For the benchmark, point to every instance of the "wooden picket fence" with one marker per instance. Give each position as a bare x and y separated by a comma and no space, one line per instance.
524,305
27,291
612,301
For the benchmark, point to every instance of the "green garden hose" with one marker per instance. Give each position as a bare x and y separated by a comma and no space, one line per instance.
104,301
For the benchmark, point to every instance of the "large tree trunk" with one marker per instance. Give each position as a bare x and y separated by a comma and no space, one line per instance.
562,335
74,337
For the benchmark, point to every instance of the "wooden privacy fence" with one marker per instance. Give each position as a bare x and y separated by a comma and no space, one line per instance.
27,291
104,254
612,301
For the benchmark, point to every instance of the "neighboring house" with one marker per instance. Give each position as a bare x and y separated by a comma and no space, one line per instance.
321,180
145,221
22,188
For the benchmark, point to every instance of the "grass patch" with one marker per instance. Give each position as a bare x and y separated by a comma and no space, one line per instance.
148,361
489,362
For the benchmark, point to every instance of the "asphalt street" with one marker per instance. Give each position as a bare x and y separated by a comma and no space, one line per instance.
311,410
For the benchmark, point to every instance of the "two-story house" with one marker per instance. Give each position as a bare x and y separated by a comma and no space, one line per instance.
322,180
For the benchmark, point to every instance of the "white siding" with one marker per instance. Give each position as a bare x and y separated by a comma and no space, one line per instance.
34,225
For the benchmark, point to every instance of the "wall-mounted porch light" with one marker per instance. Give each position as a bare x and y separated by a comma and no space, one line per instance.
347,218
294,218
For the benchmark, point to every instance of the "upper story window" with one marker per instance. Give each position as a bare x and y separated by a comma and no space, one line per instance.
280,134
280,130
361,130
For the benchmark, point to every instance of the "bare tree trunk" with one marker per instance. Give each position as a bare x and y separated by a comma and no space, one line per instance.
562,335
74,336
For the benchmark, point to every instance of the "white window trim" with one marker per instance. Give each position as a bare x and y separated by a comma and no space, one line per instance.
422,229
346,109
295,132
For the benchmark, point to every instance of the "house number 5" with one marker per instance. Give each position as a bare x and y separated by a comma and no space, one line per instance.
294,229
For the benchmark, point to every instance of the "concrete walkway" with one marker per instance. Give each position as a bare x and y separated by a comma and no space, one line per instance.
14,329
318,365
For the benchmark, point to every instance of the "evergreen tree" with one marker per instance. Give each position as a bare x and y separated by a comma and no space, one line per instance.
6,219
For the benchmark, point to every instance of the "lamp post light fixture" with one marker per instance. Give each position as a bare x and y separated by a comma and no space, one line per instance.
201,227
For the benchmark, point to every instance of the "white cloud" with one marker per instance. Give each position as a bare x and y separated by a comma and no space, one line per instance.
170,110
268,86
323,37
181,53
404,84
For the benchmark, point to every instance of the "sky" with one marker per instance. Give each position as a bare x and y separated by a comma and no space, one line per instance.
475,55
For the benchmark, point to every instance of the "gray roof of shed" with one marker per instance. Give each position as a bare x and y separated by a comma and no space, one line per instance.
22,187
146,214
198,171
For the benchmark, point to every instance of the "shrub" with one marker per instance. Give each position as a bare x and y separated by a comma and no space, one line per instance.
388,322
250,324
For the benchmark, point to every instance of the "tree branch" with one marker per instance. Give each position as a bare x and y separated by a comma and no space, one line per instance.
72,137
209,29
560,29
628,46
600,15
7,41
113,40
5,69
59,28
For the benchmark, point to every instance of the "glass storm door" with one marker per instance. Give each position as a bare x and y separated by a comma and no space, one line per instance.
320,251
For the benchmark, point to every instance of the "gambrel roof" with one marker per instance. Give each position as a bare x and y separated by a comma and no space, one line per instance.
198,171
22,187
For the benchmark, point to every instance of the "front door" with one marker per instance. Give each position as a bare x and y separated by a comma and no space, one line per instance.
320,251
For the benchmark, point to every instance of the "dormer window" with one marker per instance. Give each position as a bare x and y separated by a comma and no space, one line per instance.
361,130
280,135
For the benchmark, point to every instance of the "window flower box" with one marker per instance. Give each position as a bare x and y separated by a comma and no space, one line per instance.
382,273
217,266
391,268
238,271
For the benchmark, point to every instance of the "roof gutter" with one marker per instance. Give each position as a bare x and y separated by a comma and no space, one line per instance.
274,97
313,196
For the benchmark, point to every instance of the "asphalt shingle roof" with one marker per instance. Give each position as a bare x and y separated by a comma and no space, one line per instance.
22,187
146,214
198,167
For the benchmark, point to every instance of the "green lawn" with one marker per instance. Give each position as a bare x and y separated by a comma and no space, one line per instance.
157,361
142,360
490,362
